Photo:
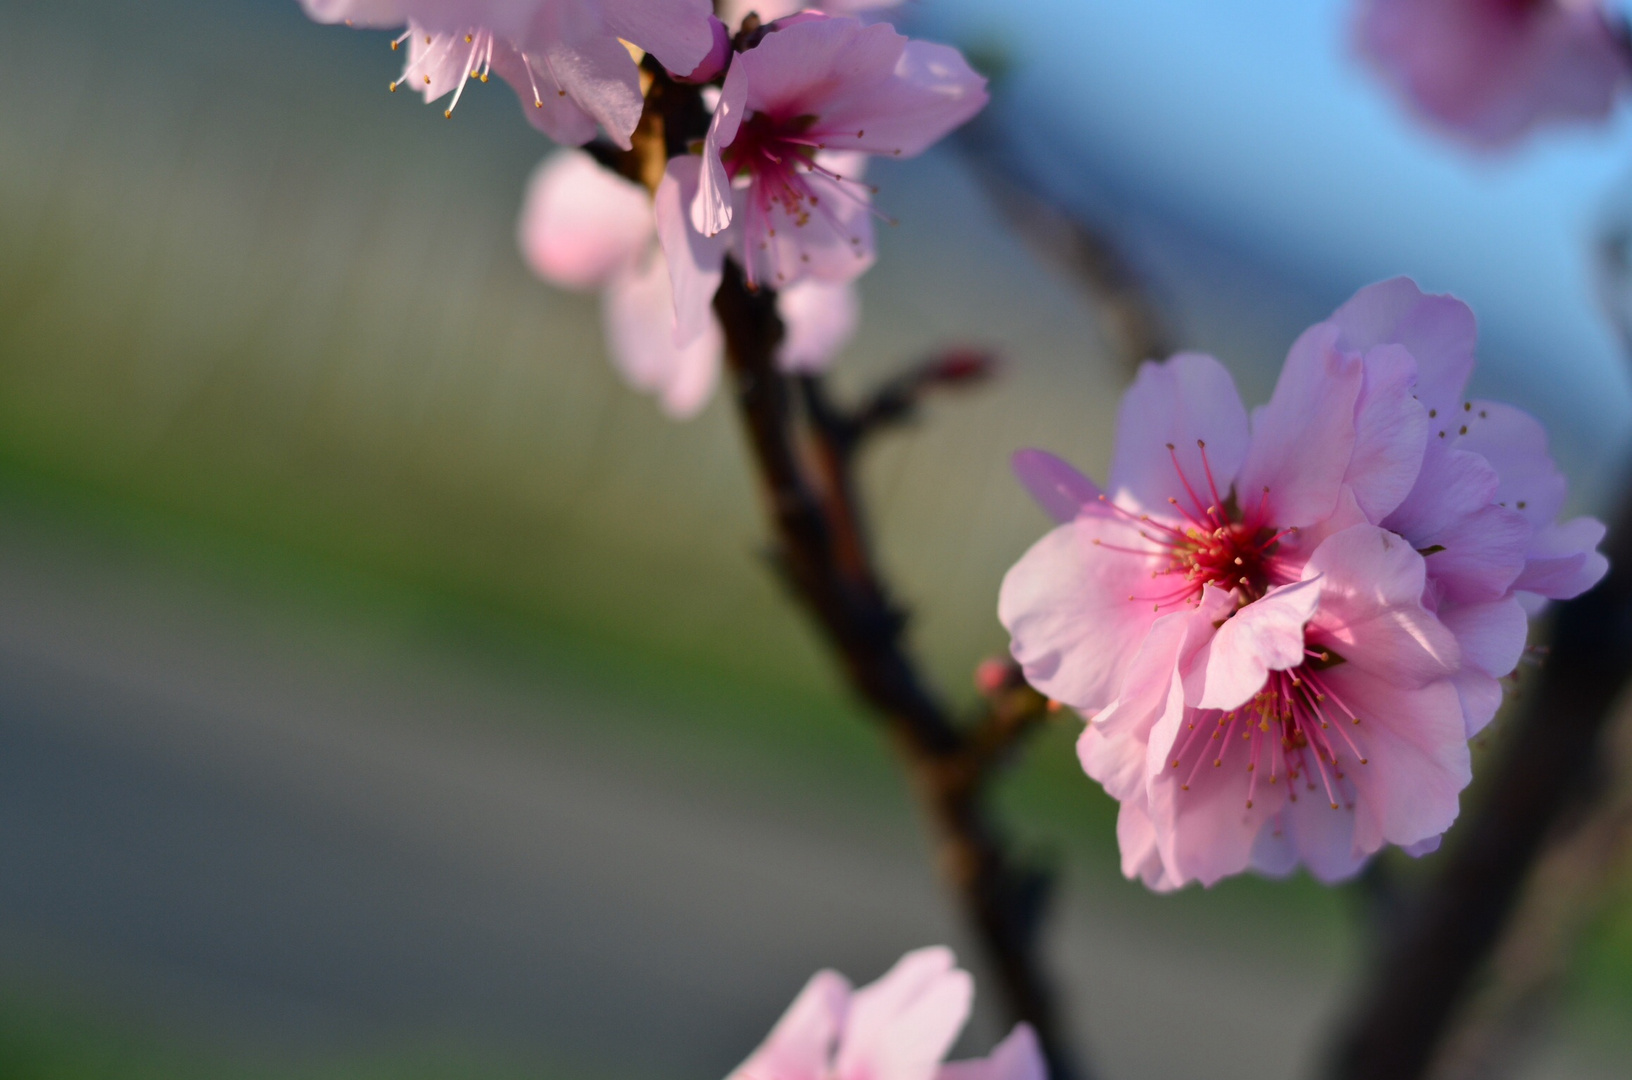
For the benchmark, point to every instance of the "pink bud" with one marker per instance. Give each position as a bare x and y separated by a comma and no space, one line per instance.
994,675
719,55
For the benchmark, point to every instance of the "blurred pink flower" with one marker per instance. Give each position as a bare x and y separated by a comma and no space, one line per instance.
1490,70
563,57
733,11
898,1028
782,161
584,227
1323,599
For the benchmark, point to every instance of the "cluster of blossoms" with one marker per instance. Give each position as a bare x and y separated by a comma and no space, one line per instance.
1286,630
898,1028
1491,70
799,100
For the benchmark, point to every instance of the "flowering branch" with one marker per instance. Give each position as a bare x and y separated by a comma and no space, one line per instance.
823,553
1550,772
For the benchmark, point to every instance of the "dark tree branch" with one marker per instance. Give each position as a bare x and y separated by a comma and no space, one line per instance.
1550,772
802,447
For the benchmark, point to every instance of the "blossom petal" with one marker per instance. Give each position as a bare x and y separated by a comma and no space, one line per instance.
1304,438
1204,828
1171,408
901,1026
696,262
1415,744
931,91
1563,562
677,32
1371,610
818,318
1264,636
581,223
1391,430
1068,608
801,1044
1439,331
711,209
1322,838
1058,487
638,311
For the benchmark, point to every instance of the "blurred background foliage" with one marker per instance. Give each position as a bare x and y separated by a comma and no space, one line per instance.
265,341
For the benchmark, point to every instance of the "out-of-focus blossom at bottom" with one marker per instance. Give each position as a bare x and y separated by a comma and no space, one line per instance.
584,227
898,1028
1490,70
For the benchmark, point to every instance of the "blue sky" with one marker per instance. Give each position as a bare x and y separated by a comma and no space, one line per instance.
1250,121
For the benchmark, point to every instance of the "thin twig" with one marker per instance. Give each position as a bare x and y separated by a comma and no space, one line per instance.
1551,770
809,490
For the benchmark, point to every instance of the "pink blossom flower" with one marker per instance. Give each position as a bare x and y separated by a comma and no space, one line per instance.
898,1028
778,180
1490,70
1284,631
733,11
584,227
563,57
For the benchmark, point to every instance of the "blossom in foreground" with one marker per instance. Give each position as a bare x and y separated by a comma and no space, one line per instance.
778,182
898,1028
585,227
1285,631
733,11
564,58
1490,70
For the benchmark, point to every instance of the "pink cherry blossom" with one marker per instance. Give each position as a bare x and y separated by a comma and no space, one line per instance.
1490,70
584,227
733,11
563,57
779,176
898,1028
1285,631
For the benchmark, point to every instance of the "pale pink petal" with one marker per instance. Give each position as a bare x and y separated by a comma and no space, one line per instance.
1115,758
1272,852
1563,563
1371,611
711,210
808,67
1264,636
1490,635
1391,430
600,77
818,319
1017,1057
1515,445
1482,557
1058,487
1136,836
372,14
1321,838
779,246
801,1045
696,262
900,1027
638,312
1481,696
1438,330
1151,691
1304,438
582,223
1171,408
1066,607
677,32
1415,744
931,91
1204,828
1489,72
